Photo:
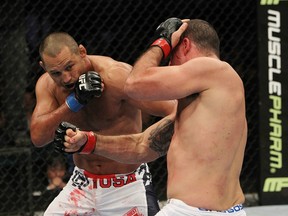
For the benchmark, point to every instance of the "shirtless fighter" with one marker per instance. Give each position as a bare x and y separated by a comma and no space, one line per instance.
72,90
206,153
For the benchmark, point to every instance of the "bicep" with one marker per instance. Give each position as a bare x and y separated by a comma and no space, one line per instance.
173,82
194,76
155,108
45,101
159,83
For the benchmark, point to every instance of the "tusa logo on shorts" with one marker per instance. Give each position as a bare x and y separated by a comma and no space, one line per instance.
106,181
114,181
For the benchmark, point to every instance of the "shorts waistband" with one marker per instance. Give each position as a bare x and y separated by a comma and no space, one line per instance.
137,173
235,208
109,176
82,178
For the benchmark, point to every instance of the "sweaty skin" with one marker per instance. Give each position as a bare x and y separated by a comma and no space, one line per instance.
114,113
207,148
206,152
205,157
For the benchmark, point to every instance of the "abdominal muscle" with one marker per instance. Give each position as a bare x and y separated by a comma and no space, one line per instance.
123,120
101,165
200,179
203,190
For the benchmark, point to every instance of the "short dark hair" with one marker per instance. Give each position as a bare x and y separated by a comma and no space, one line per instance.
203,35
54,43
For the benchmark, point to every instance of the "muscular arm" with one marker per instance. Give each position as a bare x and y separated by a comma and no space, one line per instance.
137,148
147,81
47,114
117,76
141,76
190,74
134,148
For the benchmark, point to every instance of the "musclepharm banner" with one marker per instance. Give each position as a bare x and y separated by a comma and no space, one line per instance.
273,93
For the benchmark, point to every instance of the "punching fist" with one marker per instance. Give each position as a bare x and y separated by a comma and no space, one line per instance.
89,85
84,148
60,133
163,35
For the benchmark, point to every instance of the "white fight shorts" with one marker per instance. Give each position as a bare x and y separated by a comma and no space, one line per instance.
106,195
175,207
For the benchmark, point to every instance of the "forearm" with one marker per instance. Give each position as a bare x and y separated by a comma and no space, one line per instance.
129,149
137,148
132,148
151,58
141,75
43,126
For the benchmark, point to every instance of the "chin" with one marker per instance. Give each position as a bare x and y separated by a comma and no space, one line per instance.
69,87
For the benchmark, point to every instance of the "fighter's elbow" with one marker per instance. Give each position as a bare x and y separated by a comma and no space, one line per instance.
37,140
170,108
129,87
145,155
132,88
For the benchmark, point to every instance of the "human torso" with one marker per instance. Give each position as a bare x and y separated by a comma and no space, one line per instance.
110,114
205,156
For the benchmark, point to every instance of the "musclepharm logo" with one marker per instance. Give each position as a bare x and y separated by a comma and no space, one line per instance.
269,2
275,184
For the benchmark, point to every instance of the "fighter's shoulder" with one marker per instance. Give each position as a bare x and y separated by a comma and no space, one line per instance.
45,82
120,67
117,73
116,70
207,61
228,75
214,64
108,65
114,73
44,79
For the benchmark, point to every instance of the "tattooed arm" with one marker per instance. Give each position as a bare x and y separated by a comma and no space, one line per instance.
132,148
138,148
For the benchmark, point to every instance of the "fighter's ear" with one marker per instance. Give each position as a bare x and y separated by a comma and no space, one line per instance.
41,63
186,45
82,50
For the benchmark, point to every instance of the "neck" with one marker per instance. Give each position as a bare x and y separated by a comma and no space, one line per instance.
89,66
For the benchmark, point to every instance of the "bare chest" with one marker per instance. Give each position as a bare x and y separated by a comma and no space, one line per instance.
105,114
99,115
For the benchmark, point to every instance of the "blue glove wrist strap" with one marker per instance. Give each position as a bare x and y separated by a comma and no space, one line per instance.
73,103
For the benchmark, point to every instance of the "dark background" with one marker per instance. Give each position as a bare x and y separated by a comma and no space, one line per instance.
120,29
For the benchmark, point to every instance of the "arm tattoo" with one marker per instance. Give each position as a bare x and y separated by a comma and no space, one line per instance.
160,137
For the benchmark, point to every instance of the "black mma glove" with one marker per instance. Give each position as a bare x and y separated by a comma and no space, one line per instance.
89,85
59,139
60,133
163,35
